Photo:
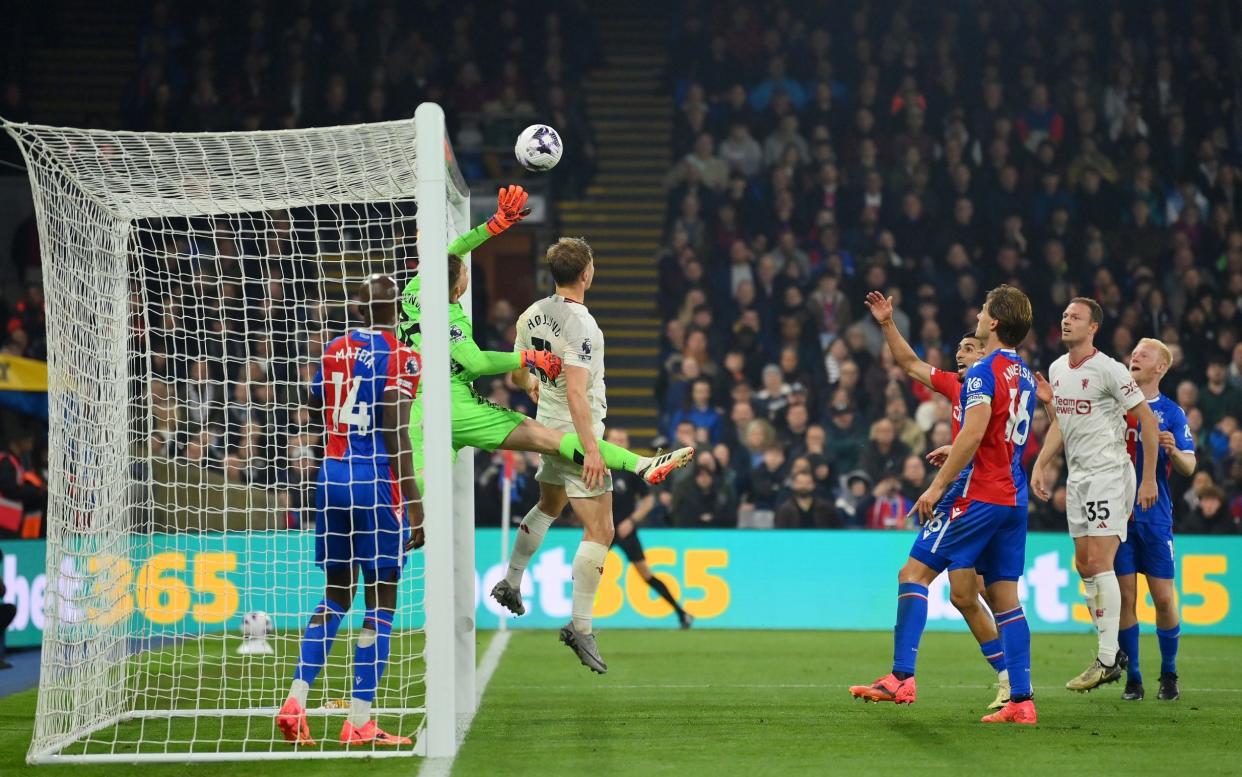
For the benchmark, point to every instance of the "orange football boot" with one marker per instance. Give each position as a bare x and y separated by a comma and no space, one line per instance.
1014,712
291,720
370,734
887,688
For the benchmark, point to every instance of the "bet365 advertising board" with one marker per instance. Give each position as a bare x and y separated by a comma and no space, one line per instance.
179,584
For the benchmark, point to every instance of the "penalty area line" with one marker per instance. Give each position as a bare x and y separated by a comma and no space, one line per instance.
809,686
442,767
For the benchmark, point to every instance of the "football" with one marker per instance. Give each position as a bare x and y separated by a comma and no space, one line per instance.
538,148
256,626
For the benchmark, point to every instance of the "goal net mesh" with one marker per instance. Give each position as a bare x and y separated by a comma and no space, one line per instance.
192,283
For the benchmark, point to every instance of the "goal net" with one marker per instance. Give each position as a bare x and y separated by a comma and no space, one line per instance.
192,284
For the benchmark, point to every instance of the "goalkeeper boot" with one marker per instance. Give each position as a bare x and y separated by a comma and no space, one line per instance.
509,597
1096,675
1014,712
585,647
291,720
1002,693
887,688
657,469
1169,691
370,734
1133,691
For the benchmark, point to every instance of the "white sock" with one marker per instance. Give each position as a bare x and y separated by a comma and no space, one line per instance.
529,537
299,690
1003,676
359,712
1108,617
588,569
1093,593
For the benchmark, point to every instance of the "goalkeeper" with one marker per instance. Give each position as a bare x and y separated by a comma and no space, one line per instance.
478,422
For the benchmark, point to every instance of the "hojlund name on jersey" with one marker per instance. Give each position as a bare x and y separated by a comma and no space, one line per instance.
540,319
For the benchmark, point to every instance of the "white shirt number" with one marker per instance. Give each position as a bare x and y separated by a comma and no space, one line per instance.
349,412
1019,425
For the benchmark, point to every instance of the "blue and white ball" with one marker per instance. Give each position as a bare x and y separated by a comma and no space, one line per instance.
538,148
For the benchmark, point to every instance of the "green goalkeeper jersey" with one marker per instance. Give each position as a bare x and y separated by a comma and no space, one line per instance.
468,361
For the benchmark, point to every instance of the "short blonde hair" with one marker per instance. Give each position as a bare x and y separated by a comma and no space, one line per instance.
1165,354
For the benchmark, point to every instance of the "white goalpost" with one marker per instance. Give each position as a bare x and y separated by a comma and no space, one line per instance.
192,282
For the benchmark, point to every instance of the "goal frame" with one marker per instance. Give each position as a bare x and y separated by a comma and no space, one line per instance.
443,199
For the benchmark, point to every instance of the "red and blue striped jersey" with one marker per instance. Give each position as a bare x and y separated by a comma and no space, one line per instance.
356,369
1171,419
1003,382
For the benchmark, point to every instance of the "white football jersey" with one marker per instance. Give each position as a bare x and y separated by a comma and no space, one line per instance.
1091,400
567,329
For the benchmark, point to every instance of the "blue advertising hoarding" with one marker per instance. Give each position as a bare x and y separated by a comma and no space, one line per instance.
185,583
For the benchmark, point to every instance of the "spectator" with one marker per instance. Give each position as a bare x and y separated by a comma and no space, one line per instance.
1210,515
707,420
805,509
883,456
741,152
703,500
1218,399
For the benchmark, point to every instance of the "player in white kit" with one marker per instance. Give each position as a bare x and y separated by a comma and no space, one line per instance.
575,401
1087,402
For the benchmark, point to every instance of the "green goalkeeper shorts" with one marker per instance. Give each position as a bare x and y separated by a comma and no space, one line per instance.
477,423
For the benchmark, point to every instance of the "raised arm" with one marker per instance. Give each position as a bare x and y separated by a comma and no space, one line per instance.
510,209
881,308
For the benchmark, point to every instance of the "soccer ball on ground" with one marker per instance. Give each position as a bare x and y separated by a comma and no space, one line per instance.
538,148
256,627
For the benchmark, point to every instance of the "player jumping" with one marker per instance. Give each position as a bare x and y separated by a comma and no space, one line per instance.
366,500
924,563
1087,404
479,423
1149,542
986,525
562,325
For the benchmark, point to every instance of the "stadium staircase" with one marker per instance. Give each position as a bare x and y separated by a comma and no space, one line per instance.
80,75
622,212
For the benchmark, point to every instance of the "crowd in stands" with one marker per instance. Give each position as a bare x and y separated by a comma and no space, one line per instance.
227,351
932,152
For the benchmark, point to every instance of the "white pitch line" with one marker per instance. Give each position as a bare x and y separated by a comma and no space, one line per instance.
760,686
443,767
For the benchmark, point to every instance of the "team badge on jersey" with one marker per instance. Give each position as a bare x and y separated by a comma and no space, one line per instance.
455,334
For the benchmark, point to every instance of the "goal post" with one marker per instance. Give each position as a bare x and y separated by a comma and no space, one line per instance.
192,282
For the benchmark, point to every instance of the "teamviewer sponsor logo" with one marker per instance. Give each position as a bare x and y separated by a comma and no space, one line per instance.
1069,406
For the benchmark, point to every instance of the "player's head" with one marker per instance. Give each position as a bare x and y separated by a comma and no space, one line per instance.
618,436
969,351
1080,321
459,277
378,296
1006,316
571,262
1149,361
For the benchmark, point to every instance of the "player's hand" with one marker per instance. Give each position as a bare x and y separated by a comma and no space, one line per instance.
548,364
414,511
1040,483
533,392
593,470
926,504
510,209
625,528
938,457
1168,442
881,307
1043,389
1147,494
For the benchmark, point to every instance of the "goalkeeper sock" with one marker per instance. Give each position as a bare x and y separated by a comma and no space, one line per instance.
1108,615
588,568
371,651
1015,634
316,645
1128,640
994,654
1168,649
911,620
529,537
658,585
614,456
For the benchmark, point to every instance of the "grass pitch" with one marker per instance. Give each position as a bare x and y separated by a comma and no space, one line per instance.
775,703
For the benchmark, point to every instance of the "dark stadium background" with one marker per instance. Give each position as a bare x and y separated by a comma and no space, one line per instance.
747,172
